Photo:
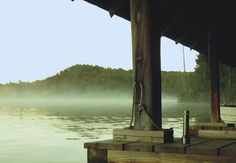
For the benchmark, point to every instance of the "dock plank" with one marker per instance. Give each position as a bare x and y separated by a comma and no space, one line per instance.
228,150
214,134
214,124
177,146
130,135
151,157
208,148
141,147
106,144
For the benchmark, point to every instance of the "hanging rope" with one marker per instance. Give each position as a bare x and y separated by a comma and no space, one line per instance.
140,106
133,106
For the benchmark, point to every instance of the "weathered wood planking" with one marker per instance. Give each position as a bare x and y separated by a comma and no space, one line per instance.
146,35
213,124
132,135
177,146
131,157
228,151
208,148
199,150
141,147
216,134
193,130
151,157
139,139
106,144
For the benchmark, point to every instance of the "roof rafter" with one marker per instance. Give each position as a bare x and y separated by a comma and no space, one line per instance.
195,44
174,23
188,22
114,8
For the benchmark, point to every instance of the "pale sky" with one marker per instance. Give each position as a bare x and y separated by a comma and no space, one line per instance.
39,38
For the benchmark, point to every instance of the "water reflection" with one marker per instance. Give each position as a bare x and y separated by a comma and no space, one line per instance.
55,133
92,127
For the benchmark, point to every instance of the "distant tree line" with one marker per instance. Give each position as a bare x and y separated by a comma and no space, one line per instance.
91,80
76,80
199,83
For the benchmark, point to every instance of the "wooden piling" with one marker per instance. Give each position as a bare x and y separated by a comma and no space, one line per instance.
214,77
97,155
146,63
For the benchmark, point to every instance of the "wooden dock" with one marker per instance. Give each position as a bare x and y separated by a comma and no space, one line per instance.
179,21
199,150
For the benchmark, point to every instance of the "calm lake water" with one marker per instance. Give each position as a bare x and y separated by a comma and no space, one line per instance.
55,133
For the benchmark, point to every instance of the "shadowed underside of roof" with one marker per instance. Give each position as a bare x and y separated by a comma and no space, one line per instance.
189,21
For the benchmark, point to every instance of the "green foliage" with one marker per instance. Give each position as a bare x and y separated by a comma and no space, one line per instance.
90,80
75,80
198,87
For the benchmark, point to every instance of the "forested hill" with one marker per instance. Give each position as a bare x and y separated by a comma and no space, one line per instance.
76,80
88,80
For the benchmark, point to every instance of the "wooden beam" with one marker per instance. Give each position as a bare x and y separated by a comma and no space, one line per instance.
114,8
184,36
204,51
195,44
164,3
131,135
223,19
214,77
217,134
173,24
146,35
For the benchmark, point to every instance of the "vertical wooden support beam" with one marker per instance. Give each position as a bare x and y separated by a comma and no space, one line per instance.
214,77
97,155
146,35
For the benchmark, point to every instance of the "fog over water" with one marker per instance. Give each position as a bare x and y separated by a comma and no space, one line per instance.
53,130
99,105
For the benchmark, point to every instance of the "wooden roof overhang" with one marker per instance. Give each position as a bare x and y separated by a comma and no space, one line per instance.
189,21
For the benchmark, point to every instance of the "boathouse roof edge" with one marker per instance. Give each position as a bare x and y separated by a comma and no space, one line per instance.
189,21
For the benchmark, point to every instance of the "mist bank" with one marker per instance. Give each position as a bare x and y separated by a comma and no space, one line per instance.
70,101
76,81
85,82
94,82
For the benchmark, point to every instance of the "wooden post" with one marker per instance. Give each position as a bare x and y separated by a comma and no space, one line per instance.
146,35
214,77
97,155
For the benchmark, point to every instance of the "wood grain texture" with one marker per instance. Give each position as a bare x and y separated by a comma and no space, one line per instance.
214,76
228,150
208,148
106,144
132,135
217,134
150,157
146,35
177,146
